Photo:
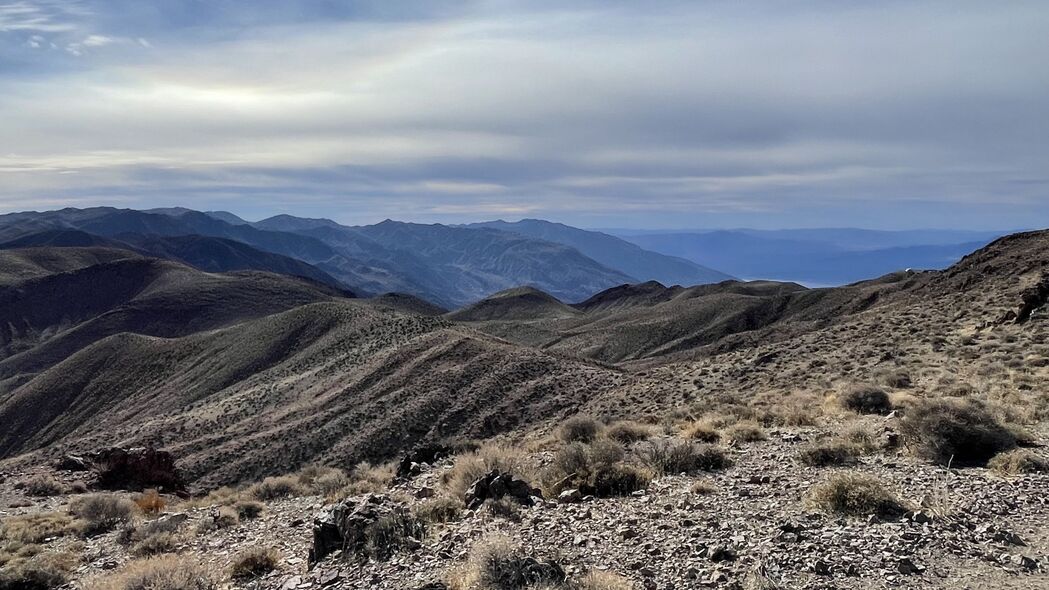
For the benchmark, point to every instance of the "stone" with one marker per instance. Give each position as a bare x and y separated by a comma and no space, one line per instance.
414,461
343,527
821,568
721,553
137,469
425,492
572,496
73,463
908,567
495,486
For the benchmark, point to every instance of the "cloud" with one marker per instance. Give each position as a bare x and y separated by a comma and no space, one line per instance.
677,113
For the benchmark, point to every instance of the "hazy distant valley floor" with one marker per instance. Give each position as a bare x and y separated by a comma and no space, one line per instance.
886,434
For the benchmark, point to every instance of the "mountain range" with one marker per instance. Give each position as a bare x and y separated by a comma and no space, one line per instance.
250,373
446,265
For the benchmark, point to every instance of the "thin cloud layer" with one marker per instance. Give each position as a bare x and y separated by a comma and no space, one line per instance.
670,114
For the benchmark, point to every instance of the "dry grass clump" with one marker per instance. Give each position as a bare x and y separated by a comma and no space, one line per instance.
165,572
745,431
826,454
579,429
395,532
866,399
223,517
154,537
855,494
150,502
276,488
41,571
669,457
503,508
1017,462
43,485
599,580
366,478
955,432
101,513
254,563
441,509
628,431
471,466
861,439
34,528
496,563
702,431
894,378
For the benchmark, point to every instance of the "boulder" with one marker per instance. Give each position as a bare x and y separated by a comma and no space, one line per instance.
137,469
343,527
413,462
572,496
497,485
72,463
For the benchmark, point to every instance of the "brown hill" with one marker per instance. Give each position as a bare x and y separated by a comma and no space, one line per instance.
336,382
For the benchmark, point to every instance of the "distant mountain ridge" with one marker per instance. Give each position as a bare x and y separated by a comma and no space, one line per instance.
449,266
643,265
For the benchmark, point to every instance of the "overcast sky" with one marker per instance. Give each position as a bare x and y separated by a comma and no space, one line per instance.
596,113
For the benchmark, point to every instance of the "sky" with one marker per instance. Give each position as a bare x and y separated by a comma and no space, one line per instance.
598,113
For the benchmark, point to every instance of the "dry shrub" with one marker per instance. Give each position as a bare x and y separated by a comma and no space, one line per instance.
223,517
702,431
276,488
155,543
894,378
366,478
746,431
394,532
1017,462
599,580
247,509
595,469
496,563
579,429
42,571
150,502
254,563
101,513
503,508
470,467
855,494
865,399
34,528
165,572
44,485
825,454
703,487
440,510
668,457
955,432
628,431
861,439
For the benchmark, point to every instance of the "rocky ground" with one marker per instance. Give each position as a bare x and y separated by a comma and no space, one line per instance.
750,527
